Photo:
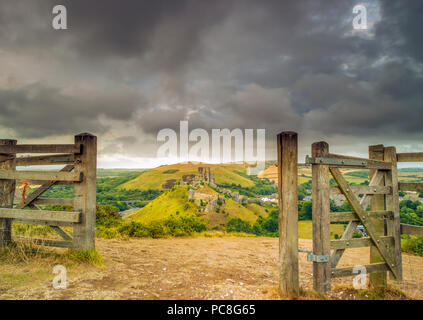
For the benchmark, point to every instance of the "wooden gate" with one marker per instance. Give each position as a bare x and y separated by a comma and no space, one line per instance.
374,206
80,170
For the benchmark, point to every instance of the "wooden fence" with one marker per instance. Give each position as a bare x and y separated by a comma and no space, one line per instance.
382,221
80,170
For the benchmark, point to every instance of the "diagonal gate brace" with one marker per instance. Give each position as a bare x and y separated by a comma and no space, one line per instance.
364,219
349,231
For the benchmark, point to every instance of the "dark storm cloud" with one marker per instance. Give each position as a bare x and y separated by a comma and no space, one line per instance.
401,28
37,111
166,34
271,64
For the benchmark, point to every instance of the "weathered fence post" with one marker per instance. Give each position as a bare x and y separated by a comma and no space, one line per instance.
7,192
377,203
392,204
288,213
85,191
321,219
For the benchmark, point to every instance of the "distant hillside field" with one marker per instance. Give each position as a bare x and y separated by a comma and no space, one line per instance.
271,173
155,178
357,176
175,202
110,173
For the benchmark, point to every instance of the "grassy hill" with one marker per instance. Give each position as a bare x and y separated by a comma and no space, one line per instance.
155,178
175,202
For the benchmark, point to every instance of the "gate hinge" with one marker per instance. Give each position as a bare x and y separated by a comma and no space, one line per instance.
318,258
315,257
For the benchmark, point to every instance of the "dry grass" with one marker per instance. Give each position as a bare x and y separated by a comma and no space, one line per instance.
305,294
23,251
343,292
26,269
190,268
388,293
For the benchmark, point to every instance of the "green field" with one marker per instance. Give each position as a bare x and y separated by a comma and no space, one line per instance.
305,229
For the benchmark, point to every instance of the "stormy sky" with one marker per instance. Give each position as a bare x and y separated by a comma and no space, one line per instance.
124,70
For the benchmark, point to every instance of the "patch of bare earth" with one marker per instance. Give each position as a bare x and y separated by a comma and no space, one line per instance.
196,268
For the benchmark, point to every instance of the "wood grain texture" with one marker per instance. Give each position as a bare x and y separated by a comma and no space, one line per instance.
371,163
348,271
410,157
48,242
288,213
43,188
364,190
349,231
352,216
41,215
62,233
39,148
85,191
377,279
412,230
40,175
53,201
410,186
50,223
392,204
321,219
364,219
45,160
7,191
356,243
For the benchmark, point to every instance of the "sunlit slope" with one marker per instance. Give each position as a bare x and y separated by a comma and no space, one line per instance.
155,178
175,202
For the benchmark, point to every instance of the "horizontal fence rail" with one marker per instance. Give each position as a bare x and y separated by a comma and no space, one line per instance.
40,215
410,186
358,243
410,157
53,202
40,148
352,216
48,242
349,271
41,175
49,223
45,160
364,190
80,160
382,224
336,162
412,230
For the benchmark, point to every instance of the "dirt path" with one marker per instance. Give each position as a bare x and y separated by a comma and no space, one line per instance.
196,268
